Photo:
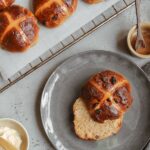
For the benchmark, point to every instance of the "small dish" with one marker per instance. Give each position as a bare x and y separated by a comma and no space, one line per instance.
13,124
132,33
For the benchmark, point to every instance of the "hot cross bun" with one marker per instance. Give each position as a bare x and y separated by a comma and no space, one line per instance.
18,29
107,95
5,3
53,13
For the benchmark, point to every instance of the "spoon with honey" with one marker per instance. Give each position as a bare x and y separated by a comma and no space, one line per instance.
140,43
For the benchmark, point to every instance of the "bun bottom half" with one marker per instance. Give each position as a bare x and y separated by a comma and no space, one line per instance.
88,129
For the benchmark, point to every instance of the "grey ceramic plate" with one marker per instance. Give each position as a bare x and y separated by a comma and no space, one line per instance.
64,86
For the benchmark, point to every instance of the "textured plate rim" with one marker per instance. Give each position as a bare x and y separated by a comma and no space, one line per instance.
107,52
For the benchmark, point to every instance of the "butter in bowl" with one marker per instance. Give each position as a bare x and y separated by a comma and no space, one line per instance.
131,40
13,136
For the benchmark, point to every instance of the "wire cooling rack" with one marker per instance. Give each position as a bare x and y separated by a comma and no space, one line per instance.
87,29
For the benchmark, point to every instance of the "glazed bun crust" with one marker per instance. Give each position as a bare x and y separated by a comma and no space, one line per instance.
107,95
5,3
19,29
53,13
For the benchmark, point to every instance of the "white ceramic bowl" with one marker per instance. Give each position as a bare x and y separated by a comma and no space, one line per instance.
11,123
131,34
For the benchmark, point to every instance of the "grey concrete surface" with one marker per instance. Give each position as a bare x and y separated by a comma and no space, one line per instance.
22,100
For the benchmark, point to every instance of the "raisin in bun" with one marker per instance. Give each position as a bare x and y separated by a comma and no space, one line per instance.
107,95
19,29
53,13
93,1
5,3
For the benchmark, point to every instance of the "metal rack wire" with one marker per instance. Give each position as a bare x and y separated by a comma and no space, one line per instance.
87,29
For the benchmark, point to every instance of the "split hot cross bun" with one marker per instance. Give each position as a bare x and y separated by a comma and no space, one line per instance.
107,96
53,13
18,28
5,3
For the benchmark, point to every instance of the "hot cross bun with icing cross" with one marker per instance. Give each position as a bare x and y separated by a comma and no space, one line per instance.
107,95
5,3
53,13
18,29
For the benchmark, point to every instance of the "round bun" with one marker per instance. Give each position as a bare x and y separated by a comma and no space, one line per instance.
19,29
5,3
107,95
53,13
